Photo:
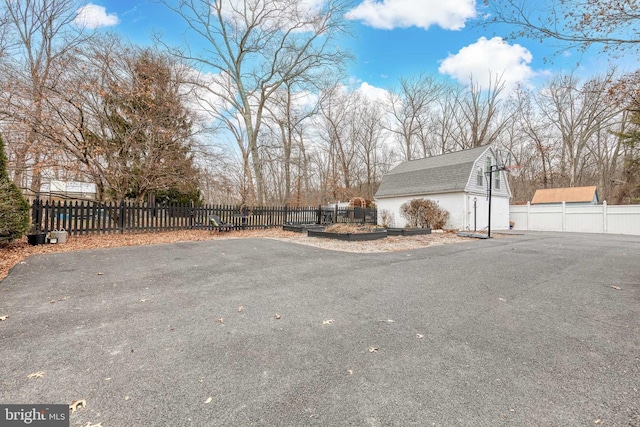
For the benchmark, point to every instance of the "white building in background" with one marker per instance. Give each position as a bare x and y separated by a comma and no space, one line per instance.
68,190
456,181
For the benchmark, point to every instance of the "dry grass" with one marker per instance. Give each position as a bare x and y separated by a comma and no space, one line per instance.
15,252
350,228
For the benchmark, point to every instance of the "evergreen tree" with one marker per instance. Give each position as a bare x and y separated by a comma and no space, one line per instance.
630,189
150,130
14,208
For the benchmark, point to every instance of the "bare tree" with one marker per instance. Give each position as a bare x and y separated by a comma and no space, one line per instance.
610,25
410,109
535,131
38,36
257,46
442,135
339,131
121,113
287,113
479,117
577,112
371,122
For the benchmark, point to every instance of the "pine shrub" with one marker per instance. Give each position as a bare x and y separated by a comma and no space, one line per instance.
14,208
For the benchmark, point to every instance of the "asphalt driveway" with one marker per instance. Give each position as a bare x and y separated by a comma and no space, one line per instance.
531,330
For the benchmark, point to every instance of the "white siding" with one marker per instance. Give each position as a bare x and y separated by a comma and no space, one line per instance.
474,188
460,208
392,207
454,203
578,219
460,204
499,213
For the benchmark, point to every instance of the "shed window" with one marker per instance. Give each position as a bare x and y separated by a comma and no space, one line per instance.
497,180
479,180
488,167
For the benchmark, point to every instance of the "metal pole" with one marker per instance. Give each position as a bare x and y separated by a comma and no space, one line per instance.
490,185
475,212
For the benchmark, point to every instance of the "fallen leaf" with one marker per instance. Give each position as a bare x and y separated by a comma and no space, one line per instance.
143,300
52,301
127,398
373,349
419,336
221,320
39,374
350,372
208,400
240,309
277,316
107,379
617,288
596,422
502,299
77,404
3,318
386,321
327,322
99,274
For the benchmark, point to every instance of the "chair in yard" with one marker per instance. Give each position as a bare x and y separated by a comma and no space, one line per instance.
219,225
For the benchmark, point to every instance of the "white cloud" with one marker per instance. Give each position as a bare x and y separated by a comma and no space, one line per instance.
389,14
93,16
373,93
304,100
485,60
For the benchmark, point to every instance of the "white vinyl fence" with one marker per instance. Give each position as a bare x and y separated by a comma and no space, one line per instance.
615,219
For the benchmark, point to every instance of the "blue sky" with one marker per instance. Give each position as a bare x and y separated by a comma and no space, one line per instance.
393,39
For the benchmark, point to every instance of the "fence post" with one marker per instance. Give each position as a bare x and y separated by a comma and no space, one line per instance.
528,214
191,214
605,220
121,217
564,216
36,213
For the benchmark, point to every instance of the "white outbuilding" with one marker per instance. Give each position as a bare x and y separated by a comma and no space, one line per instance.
458,182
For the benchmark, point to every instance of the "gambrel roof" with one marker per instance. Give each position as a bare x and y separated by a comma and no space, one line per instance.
432,175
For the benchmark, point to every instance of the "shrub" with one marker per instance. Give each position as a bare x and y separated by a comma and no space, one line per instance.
14,208
386,217
424,213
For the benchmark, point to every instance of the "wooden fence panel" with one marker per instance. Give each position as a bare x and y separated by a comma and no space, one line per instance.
108,218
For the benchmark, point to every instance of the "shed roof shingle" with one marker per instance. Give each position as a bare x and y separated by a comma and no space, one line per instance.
569,195
437,174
